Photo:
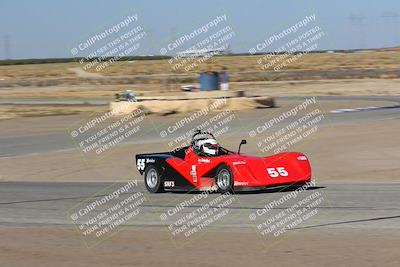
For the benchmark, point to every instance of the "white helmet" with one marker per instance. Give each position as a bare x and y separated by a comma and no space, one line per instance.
208,146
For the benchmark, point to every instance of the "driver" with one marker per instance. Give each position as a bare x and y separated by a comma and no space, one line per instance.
208,147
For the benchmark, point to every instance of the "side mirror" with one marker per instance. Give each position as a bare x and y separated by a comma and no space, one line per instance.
243,142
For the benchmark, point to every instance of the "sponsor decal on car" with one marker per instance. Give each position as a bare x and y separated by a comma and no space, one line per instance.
239,162
301,158
240,183
193,173
141,163
203,160
169,183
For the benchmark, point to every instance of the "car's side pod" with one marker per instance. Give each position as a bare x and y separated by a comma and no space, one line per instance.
212,172
156,159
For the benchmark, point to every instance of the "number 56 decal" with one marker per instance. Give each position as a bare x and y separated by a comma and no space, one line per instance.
275,172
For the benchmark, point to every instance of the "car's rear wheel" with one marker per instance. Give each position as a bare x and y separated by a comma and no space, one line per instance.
153,180
224,179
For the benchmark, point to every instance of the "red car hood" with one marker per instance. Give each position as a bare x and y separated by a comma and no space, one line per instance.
283,168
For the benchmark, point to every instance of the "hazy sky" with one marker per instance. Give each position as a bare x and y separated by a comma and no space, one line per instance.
51,28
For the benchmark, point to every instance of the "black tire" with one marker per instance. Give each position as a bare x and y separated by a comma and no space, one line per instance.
224,179
153,180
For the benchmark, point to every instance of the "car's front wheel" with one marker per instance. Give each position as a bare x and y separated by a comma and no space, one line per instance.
224,179
153,180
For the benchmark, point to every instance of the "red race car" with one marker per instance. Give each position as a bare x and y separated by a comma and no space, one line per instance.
204,165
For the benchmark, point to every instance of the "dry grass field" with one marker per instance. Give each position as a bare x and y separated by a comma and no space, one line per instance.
386,58
372,72
14,111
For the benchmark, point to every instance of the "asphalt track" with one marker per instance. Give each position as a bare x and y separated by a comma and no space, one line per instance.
344,205
54,141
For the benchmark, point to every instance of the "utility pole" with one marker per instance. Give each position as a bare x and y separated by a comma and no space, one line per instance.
172,35
357,22
7,47
150,42
392,18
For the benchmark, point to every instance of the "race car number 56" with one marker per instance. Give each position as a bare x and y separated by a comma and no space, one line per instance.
275,172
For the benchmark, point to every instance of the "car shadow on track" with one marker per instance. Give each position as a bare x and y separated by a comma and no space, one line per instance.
278,190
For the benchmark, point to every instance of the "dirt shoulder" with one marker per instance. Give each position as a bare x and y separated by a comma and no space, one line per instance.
62,246
366,87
